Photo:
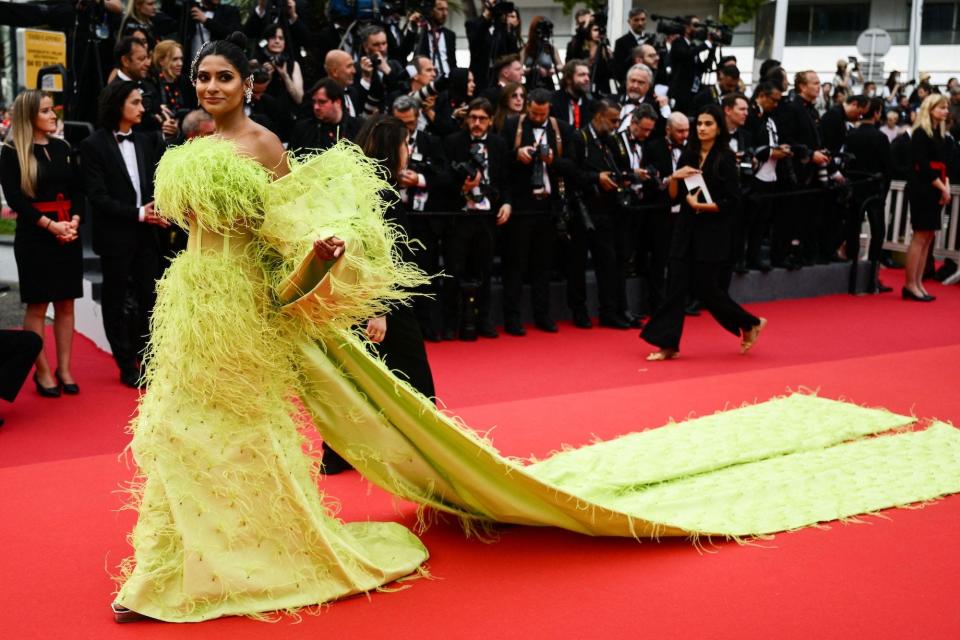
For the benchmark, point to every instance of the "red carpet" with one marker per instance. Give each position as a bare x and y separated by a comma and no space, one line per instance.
891,578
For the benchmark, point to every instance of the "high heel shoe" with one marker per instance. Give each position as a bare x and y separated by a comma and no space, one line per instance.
71,389
906,294
45,392
122,614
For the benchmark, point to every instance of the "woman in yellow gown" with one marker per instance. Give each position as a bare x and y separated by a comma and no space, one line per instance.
282,262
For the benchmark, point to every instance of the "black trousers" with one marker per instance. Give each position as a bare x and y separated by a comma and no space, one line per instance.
653,228
759,216
601,243
403,351
703,280
873,208
128,296
468,261
528,245
18,351
427,232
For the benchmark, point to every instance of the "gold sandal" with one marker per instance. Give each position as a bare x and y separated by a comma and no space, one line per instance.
663,354
749,338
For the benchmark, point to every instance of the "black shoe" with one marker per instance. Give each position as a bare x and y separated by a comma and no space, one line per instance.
71,389
636,322
882,288
693,309
132,378
430,335
45,392
614,322
906,294
449,334
581,320
332,463
514,328
487,331
741,268
547,325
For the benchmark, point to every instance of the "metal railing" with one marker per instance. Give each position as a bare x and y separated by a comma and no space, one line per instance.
899,232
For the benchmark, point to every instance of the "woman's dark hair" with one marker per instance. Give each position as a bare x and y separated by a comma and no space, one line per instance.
721,145
457,86
271,29
111,101
232,48
892,79
380,138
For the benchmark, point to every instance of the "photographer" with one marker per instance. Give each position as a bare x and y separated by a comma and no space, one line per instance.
286,78
540,58
798,125
685,64
202,21
871,157
291,14
421,184
594,229
506,70
264,109
143,14
639,81
341,68
478,160
434,40
492,34
422,89
834,127
536,172
728,81
572,103
735,109
451,105
625,45
329,124
768,152
848,74
379,75
133,64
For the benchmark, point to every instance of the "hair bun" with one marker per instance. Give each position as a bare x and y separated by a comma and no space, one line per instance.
239,39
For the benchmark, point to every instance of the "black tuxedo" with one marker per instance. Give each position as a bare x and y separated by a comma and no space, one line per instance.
529,241
622,53
225,20
560,103
312,135
683,68
833,128
129,249
469,238
424,47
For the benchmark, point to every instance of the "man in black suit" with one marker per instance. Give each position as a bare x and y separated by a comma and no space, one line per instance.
798,124
133,65
772,157
638,85
436,41
492,34
595,231
736,109
341,68
572,104
634,37
728,81
538,170
329,123
507,69
204,21
421,185
685,65
380,75
479,189
118,168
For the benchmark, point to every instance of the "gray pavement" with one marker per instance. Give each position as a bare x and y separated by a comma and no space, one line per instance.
11,310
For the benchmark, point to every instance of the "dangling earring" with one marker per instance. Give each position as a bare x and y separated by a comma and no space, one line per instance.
248,93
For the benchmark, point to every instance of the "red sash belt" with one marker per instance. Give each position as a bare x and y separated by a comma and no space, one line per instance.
60,206
940,168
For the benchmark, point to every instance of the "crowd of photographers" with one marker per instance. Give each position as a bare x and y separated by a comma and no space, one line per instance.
542,163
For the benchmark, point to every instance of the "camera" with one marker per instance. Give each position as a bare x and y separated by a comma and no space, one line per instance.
431,89
540,154
374,60
716,31
670,26
499,10
475,163
544,29
745,163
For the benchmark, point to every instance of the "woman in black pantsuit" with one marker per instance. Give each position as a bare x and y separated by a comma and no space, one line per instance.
397,335
700,249
928,189
37,172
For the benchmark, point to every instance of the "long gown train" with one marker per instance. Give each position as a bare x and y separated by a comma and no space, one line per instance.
247,319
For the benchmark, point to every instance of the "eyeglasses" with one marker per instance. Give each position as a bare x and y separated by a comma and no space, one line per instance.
483,118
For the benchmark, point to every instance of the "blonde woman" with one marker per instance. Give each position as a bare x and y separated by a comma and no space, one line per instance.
174,87
928,189
145,16
37,173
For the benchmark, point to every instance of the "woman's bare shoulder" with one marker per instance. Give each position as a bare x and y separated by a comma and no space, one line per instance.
265,147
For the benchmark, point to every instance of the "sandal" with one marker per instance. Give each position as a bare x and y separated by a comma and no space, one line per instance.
749,338
663,354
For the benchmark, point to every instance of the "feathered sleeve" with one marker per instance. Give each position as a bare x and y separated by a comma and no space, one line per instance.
334,193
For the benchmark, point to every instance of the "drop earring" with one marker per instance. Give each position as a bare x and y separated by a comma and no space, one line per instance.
248,94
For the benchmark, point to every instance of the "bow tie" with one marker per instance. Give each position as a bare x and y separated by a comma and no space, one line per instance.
123,137
633,101
478,140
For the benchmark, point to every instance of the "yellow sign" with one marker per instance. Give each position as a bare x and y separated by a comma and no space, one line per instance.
36,49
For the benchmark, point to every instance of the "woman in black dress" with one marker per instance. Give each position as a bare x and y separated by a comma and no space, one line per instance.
928,189
174,87
702,241
37,172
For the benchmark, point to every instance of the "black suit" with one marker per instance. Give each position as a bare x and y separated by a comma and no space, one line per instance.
469,239
225,20
560,108
593,155
623,53
270,113
871,155
129,249
312,135
700,254
529,241
706,96
425,47
683,69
